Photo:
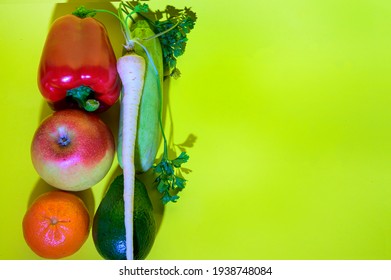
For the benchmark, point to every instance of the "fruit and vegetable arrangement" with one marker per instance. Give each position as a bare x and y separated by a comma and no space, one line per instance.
73,149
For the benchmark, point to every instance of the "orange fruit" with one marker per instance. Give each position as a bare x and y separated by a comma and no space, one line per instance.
56,225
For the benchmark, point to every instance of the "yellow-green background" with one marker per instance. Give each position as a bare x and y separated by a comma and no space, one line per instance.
284,107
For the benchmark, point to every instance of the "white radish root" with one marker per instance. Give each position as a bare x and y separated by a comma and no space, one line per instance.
131,69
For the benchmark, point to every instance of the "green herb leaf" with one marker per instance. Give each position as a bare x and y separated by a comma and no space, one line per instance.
180,182
174,41
168,183
168,198
182,158
162,187
173,25
141,8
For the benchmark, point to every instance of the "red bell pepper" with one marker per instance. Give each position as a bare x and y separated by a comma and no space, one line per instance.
78,66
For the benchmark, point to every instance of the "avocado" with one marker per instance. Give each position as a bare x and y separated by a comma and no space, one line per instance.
108,228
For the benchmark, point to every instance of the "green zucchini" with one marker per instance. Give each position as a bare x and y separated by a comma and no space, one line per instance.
148,136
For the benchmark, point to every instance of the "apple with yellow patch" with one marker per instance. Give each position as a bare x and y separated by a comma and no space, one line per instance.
72,150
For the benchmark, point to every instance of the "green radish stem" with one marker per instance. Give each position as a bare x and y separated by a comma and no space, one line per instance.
131,69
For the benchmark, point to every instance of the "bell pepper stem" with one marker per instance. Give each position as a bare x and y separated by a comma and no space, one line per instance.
81,96
83,12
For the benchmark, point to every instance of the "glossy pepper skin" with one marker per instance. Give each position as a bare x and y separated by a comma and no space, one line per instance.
78,60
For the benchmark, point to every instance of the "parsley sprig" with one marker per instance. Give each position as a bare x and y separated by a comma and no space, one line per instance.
172,26
174,42
168,182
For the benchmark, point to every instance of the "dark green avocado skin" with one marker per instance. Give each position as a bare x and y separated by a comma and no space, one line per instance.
108,228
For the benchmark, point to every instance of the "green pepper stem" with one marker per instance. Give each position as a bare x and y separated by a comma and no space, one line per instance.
83,12
81,96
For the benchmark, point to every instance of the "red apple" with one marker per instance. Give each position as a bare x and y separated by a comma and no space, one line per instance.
72,150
